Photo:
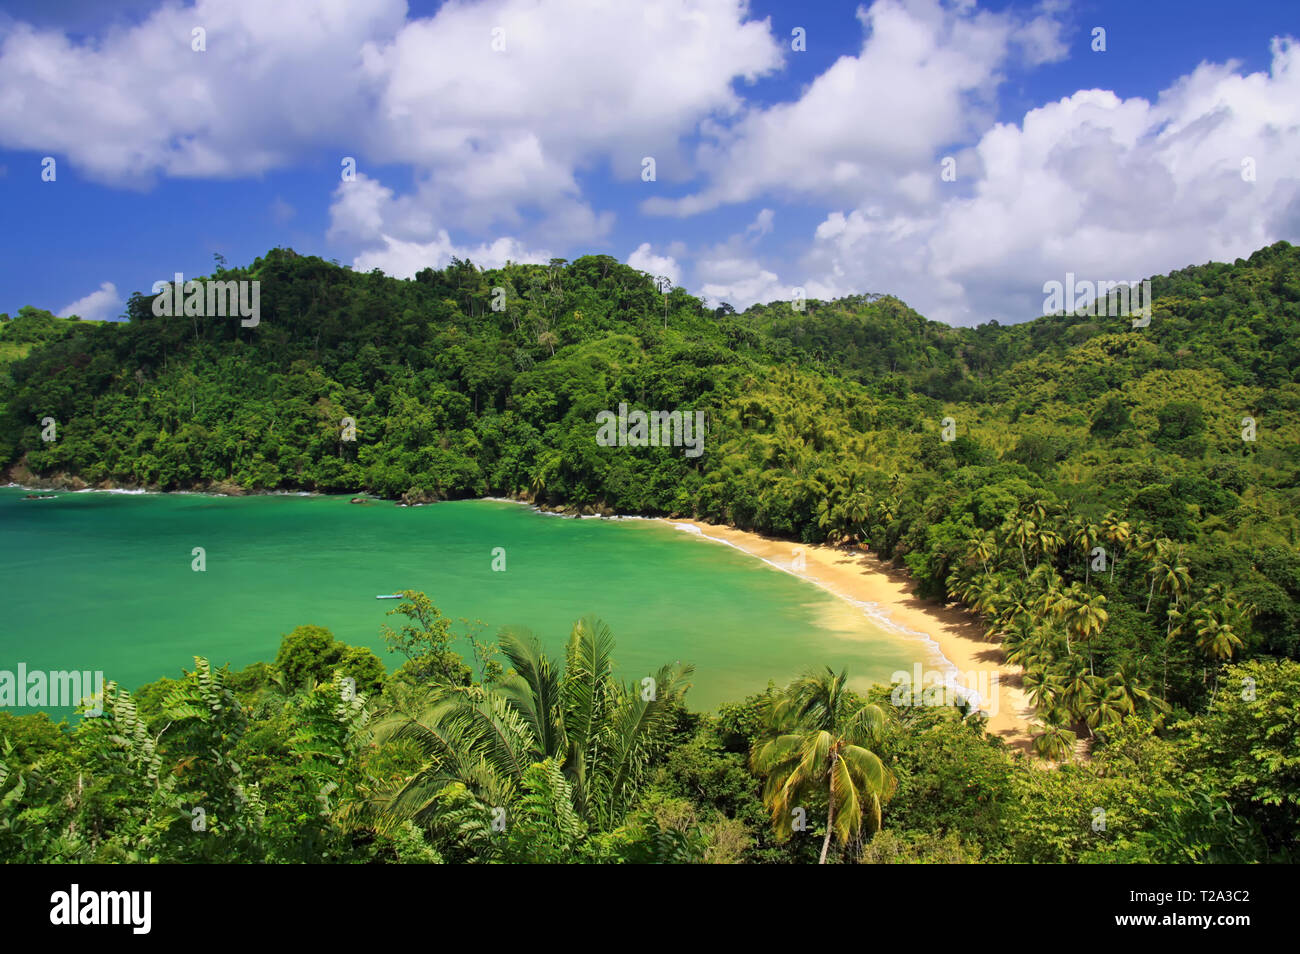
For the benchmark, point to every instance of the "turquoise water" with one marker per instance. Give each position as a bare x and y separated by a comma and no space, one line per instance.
103,581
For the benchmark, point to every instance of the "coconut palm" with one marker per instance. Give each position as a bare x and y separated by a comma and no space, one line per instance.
1022,631
1012,601
1047,541
820,742
1129,694
1045,606
888,510
983,548
1034,654
1038,509
1117,533
1145,544
1054,742
1106,707
1084,614
1177,623
1078,693
1044,688
857,511
1021,531
1084,535
1215,638
1167,575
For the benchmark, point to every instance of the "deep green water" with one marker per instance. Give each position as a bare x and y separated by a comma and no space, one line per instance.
103,581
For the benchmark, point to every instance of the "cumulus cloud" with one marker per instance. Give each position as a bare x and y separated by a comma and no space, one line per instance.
499,147
1105,187
925,76
1109,188
100,305
403,259
470,98
273,82
647,261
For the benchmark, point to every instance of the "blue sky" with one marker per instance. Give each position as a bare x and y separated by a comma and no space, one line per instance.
776,169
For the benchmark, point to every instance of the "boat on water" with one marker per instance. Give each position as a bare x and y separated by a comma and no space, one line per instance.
390,596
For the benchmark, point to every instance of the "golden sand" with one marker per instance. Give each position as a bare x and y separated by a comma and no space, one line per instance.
858,576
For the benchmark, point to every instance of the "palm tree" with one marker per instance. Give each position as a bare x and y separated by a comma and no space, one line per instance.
1117,532
1039,509
857,510
1079,692
1021,631
1022,531
1055,742
982,548
484,738
1032,652
820,740
1177,623
1167,576
1044,688
1128,693
1215,638
1145,542
1084,536
1046,541
1046,605
830,518
1014,602
1106,707
548,464
1084,614
888,510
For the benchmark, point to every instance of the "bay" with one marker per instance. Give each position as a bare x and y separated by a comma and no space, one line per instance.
104,582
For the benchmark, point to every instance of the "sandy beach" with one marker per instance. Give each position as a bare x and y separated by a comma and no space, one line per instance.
957,636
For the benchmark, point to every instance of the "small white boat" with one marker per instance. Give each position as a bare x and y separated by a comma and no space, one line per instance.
390,596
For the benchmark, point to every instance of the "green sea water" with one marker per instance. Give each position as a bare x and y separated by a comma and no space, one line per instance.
104,581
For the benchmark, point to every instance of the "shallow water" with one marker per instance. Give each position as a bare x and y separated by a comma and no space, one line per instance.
103,581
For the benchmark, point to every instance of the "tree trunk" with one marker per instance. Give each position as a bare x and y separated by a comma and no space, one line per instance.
830,827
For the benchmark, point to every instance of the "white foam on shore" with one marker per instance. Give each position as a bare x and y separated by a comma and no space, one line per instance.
140,491
873,611
568,516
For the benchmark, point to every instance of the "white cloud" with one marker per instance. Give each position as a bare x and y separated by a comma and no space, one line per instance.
739,282
274,81
925,77
502,137
762,223
1105,187
403,259
495,140
645,260
97,306
499,146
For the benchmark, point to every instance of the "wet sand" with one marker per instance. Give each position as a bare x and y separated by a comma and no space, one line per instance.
956,634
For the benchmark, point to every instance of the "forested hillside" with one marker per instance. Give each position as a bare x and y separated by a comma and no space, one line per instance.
1119,503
